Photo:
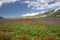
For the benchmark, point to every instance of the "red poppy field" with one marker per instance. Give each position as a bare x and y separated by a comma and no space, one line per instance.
29,29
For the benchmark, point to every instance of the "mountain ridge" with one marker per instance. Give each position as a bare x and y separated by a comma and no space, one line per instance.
48,14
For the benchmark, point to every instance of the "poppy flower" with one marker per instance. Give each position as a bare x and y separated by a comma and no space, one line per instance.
47,39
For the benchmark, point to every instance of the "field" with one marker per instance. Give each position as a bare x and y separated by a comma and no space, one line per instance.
28,29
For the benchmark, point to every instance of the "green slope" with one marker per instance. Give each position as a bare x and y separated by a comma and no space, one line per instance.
48,14
55,14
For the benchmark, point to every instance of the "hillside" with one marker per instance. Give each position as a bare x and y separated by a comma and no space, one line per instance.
55,14
1,18
49,14
40,15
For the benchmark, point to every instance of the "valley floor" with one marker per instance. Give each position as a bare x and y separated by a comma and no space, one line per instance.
30,29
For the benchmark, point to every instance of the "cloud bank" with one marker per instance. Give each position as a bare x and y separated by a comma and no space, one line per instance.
36,4
33,14
42,4
7,1
30,14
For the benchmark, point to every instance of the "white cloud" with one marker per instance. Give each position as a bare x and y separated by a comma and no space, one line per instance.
7,1
33,14
42,4
43,11
30,14
56,9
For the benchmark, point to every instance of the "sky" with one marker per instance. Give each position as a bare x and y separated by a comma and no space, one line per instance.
18,8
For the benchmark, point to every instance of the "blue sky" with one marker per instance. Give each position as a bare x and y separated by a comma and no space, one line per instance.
17,8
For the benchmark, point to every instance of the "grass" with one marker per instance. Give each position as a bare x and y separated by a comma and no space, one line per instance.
30,30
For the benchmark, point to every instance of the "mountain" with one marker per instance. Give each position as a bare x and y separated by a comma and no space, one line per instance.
55,14
45,14
39,15
48,14
1,18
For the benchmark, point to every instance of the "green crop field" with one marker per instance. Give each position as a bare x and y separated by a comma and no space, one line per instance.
29,30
